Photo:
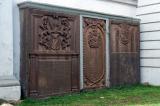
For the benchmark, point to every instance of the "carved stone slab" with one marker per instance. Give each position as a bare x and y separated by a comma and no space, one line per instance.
49,52
124,53
94,52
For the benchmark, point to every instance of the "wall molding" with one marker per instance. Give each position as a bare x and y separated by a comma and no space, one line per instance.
129,2
148,5
8,81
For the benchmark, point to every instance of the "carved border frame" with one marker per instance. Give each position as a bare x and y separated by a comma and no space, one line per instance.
106,52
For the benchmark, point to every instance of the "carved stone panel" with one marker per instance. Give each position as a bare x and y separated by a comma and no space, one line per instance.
94,52
54,32
50,53
124,37
124,53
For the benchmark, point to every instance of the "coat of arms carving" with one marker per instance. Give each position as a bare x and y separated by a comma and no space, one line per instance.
55,32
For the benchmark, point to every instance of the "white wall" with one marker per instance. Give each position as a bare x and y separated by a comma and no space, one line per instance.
6,40
103,6
9,85
149,13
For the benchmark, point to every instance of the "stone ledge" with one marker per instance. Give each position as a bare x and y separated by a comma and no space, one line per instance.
6,81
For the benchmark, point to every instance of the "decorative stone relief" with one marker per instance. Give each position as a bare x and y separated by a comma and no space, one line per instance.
95,29
124,34
94,47
55,32
94,38
123,37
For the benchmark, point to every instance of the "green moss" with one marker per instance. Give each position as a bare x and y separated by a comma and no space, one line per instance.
138,95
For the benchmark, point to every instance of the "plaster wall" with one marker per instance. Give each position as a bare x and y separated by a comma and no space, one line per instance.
9,85
6,40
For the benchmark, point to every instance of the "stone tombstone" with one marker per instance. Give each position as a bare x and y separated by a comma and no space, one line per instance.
94,34
124,52
49,53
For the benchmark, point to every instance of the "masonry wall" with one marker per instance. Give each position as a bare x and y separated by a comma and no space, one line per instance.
149,13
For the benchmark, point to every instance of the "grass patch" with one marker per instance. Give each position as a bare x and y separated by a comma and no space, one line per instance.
137,95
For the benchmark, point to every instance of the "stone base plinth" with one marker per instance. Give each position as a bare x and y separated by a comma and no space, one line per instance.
9,88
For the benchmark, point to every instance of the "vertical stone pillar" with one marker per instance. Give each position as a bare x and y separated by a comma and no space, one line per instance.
9,85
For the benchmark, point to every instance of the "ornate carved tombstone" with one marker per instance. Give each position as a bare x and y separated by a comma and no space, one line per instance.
124,53
49,53
94,31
